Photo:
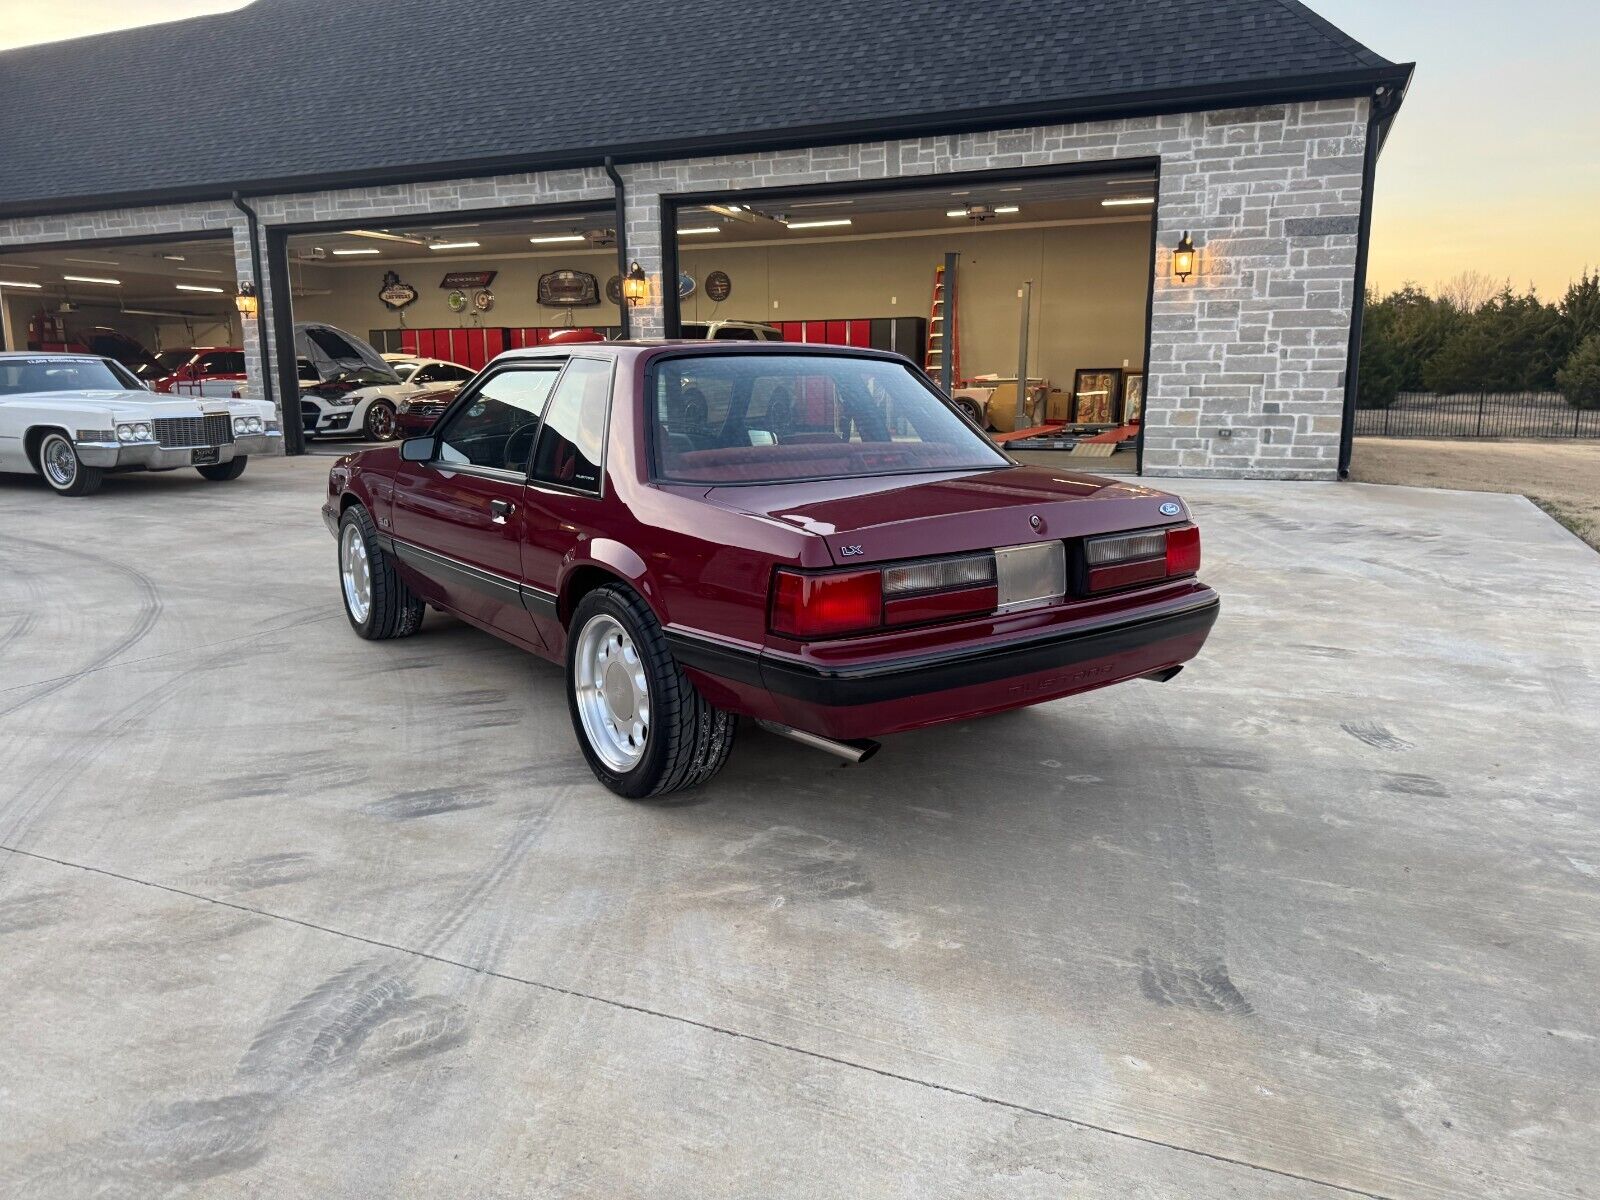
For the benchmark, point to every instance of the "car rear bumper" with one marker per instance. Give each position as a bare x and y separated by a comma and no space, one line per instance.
118,456
912,691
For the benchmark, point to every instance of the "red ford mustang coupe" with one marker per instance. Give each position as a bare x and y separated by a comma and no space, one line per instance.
812,537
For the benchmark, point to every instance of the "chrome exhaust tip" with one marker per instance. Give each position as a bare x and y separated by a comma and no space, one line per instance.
851,752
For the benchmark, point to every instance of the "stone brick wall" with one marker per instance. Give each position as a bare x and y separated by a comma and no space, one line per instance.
1246,358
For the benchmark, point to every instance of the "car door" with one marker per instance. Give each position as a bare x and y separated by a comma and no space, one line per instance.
566,483
458,518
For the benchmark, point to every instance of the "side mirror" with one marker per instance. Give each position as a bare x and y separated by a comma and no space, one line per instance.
417,449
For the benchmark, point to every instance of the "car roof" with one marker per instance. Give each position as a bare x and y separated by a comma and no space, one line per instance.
637,347
67,355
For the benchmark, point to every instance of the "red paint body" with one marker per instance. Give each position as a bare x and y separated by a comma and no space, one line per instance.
704,560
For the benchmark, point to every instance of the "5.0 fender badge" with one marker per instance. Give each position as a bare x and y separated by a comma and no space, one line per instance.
851,551
1171,509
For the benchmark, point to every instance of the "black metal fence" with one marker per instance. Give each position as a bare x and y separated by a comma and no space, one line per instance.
1488,415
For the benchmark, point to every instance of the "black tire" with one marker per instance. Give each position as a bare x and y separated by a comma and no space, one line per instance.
689,738
378,425
222,472
394,610
59,466
972,411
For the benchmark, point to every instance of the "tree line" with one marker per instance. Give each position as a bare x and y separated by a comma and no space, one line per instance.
1471,335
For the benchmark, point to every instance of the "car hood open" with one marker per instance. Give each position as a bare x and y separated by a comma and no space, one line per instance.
892,517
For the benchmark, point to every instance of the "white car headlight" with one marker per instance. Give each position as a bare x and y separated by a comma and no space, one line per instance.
141,432
241,425
255,425
125,433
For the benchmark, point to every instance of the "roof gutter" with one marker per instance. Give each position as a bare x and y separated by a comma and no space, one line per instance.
620,192
1386,103
1209,97
253,220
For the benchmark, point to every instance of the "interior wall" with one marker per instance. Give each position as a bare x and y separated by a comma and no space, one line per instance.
153,333
350,293
1090,281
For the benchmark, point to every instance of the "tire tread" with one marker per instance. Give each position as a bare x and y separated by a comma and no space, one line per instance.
397,611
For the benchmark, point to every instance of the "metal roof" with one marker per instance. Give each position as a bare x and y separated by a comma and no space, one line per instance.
299,94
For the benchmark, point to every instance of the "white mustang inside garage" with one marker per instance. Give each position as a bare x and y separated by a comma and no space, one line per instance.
74,418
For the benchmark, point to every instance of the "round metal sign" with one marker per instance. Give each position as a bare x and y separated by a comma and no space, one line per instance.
718,286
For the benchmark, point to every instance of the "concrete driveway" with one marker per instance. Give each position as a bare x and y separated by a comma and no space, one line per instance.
286,914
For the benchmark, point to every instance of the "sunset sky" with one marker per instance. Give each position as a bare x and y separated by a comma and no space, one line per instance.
1494,165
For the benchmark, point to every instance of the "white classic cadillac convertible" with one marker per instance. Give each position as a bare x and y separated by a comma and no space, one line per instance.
73,418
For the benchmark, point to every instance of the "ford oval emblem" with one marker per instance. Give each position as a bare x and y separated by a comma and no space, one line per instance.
1171,508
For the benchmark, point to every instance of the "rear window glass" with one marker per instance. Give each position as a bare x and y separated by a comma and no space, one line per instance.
768,419
24,375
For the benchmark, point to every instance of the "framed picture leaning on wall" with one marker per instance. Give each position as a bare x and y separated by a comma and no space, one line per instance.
1096,393
1132,397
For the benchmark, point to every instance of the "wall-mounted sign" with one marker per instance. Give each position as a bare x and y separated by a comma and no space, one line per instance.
569,289
456,301
685,285
482,301
396,294
718,287
468,279
614,290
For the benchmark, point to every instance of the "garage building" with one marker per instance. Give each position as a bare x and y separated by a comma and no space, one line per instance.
1155,215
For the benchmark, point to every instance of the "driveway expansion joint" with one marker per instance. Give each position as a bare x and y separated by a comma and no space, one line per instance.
755,1039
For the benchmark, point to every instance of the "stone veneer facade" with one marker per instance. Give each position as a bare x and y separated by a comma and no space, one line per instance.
1247,359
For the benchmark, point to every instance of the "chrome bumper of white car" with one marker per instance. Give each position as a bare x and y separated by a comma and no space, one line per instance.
151,457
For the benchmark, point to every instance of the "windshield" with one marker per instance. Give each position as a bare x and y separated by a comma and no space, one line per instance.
163,364
20,376
774,418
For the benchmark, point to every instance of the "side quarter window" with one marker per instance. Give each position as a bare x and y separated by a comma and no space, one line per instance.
572,442
495,426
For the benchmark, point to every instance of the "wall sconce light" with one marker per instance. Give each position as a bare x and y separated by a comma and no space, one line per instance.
636,287
246,302
1183,258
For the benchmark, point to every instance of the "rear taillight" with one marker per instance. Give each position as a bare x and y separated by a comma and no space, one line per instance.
1127,559
1183,550
809,606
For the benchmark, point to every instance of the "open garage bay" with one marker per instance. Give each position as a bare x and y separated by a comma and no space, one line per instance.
284,913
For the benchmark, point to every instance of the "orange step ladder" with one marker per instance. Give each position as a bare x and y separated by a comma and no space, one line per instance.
943,330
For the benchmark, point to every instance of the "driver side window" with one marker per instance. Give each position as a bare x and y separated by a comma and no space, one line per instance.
496,426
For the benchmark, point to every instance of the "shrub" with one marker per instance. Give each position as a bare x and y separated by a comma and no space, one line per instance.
1579,380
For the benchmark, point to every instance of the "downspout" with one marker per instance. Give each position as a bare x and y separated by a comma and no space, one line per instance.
621,220
1384,104
254,221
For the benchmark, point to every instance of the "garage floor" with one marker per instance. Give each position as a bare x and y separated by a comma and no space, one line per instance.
284,914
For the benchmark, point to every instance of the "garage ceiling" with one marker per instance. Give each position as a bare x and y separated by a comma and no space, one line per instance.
165,278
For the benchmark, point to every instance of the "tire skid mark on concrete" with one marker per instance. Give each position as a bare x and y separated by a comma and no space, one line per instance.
1377,736
364,1018
149,607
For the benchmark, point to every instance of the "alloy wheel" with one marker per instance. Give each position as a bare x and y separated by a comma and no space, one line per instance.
355,573
613,693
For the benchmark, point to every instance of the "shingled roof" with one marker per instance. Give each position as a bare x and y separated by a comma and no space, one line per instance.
295,94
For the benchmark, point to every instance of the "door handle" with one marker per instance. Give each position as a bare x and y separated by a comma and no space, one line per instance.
499,510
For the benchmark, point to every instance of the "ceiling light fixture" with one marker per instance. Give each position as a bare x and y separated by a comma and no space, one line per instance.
830,224
554,239
1007,208
174,258
1126,201
32,287
454,245
381,236
706,229
821,203
355,253
196,287
92,279
93,262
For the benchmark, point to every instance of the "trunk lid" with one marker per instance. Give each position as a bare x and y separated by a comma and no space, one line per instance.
879,519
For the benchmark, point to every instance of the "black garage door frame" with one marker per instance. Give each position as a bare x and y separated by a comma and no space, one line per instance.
672,202
282,301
